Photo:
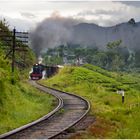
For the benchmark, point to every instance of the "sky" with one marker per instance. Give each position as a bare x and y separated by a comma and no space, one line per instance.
26,14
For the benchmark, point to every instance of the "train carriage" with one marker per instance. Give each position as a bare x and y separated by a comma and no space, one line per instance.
39,71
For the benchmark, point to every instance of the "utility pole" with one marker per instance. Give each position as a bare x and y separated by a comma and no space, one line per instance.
13,54
14,41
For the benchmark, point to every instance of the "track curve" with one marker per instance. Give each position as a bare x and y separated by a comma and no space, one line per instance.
70,110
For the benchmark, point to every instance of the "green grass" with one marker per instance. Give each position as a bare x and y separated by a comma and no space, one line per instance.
21,104
114,119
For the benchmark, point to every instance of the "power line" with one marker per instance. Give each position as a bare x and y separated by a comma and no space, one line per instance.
14,38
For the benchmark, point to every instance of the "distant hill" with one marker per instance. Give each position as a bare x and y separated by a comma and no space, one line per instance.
92,34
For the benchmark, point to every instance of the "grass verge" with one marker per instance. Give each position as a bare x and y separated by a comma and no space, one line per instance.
20,104
113,119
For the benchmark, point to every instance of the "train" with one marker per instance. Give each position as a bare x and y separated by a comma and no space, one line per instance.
40,71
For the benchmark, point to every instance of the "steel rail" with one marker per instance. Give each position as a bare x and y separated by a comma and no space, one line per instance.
78,120
62,104
14,131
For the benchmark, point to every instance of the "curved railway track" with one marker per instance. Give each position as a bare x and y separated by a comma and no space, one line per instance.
70,110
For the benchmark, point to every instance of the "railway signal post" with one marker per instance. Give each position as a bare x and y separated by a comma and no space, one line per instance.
121,92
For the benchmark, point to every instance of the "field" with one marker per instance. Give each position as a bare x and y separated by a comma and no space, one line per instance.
113,118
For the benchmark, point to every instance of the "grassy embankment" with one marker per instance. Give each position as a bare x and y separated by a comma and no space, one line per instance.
19,103
113,119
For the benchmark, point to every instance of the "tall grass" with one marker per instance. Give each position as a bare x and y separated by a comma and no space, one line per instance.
115,120
19,103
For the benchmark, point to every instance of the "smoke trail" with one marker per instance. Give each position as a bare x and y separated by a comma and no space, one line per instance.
40,59
51,32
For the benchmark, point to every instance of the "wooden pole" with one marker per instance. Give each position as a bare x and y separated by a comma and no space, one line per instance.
13,54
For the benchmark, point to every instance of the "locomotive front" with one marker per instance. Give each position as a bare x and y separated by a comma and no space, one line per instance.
37,72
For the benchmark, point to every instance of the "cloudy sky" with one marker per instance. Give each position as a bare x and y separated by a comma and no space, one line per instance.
25,14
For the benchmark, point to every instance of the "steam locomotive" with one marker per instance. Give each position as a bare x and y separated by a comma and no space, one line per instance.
40,71
37,72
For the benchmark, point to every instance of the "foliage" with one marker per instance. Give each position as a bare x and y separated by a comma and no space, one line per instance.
20,103
56,60
23,59
99,86
114,57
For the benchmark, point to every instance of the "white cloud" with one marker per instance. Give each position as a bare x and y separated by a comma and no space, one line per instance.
131,3
105,13
28,15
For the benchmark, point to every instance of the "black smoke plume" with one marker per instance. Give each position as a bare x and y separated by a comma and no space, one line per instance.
50,33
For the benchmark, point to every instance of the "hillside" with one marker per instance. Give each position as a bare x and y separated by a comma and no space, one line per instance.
94,35
113,119
20,103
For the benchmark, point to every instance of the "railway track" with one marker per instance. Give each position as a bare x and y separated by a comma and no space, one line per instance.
70,110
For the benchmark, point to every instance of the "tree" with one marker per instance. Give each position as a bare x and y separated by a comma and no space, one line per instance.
115,59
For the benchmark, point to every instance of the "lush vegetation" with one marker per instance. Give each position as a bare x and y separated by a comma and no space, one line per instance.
114,56
113,119
24,56
20,103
